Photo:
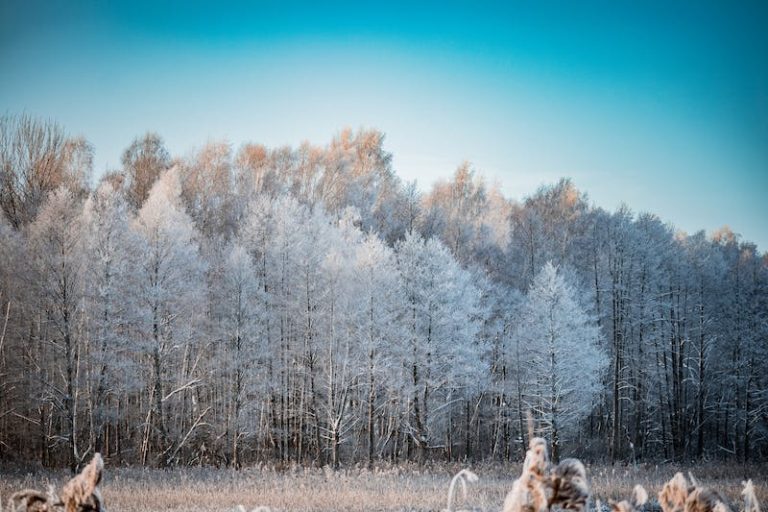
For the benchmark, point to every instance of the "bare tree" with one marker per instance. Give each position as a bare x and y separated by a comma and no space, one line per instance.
36,156
143,162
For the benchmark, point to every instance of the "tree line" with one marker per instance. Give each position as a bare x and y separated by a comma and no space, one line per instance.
305,305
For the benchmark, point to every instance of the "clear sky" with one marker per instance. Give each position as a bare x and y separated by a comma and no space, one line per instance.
661,105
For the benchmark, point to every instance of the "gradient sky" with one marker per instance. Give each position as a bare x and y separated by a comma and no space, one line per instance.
660,105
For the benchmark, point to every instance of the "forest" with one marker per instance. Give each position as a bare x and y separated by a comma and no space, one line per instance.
305,305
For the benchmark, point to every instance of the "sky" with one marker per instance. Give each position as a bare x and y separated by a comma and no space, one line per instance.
659,105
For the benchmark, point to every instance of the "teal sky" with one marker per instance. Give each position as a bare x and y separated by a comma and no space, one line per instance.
661,105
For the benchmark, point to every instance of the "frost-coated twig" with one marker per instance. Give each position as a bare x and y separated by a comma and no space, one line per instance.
189,385
189,433
461,477
750,499
5,326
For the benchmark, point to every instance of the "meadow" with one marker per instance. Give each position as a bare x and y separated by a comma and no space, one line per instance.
383,488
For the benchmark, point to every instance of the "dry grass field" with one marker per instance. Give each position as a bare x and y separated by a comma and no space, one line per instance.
384,488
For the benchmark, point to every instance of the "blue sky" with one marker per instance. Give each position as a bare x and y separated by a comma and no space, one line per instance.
661,105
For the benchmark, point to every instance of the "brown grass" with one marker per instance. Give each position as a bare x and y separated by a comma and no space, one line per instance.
356,489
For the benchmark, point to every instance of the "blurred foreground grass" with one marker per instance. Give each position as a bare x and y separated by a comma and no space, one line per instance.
384,488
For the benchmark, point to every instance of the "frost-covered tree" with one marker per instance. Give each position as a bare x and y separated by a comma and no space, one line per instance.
439,359
254,172
111,259
504,417
288,262
169,286
563,362
12,297
455,211
242,326
378,326
337,352
206,184
55,243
